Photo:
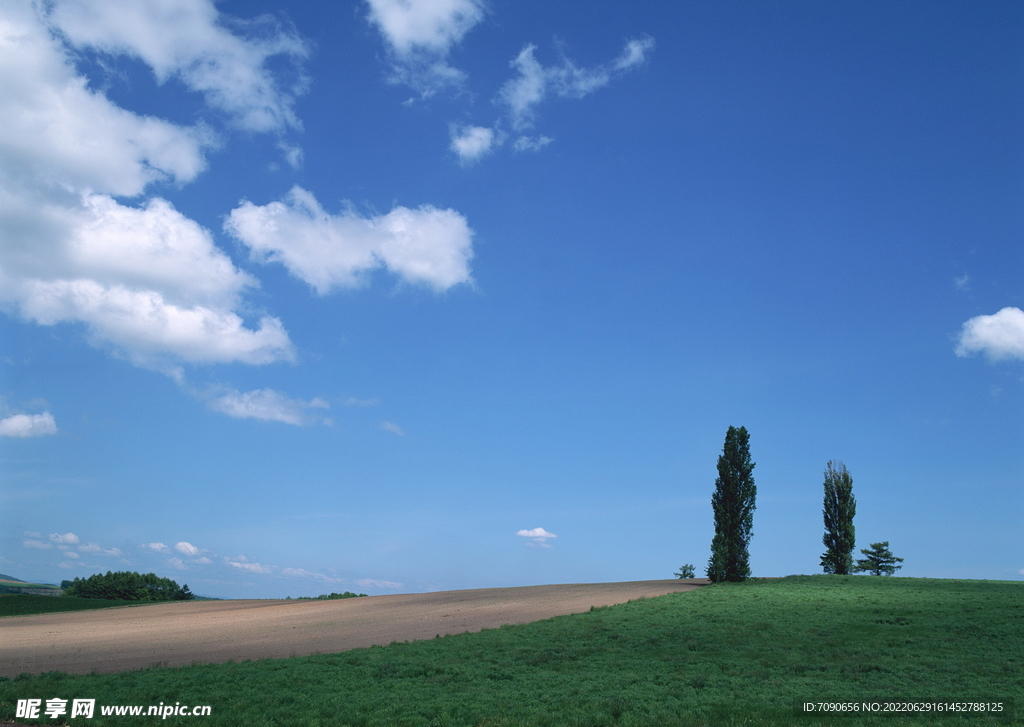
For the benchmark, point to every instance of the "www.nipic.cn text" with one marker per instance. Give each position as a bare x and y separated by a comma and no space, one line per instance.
72,708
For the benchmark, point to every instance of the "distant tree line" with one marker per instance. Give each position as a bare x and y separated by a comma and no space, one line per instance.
328,596
733,504
127,586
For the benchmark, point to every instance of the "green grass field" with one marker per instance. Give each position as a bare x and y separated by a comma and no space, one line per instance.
728,655
23,605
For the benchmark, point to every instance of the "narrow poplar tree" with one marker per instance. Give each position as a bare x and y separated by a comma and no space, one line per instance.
839,509
733,504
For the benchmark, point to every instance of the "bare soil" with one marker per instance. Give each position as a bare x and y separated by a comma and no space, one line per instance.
187,632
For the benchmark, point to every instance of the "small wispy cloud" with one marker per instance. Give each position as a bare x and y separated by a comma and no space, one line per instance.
97,549
963,282
155,547
376,583
36,544
998,336
355,401
315,575
65,539
244,564
268,405
28,425
531,143
534,81
393,428
538,537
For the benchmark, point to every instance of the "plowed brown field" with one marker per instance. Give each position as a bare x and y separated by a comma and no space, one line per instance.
187,632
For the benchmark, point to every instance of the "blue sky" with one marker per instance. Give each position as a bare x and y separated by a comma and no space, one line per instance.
409,295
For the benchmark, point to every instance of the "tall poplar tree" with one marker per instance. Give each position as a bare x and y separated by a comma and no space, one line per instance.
733,504
839,509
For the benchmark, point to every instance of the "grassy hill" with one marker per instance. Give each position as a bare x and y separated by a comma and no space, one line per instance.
729,655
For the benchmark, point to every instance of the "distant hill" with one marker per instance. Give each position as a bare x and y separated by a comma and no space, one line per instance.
11,585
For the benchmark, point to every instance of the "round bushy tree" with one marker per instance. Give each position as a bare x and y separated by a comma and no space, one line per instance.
879,560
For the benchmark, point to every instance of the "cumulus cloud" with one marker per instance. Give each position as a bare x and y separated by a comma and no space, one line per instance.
189,40
268,405
36,544
534,81
186,548
177,563
538,537
157,547
65,539
393,428
427,245
999,336
420,34
145,280
28,425
472,142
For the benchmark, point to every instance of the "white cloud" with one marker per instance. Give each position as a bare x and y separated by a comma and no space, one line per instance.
36,544
71,554
189,40
145,280
375,583
97,549
204,560
633,54
28,425
472,142
420,35
30,534
177,563
538,537
355,401
249,567
148,282
534,81
999,336
531,143
963,282
303,573
268,405
186,548
158,547
393,428
426,245
65,539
